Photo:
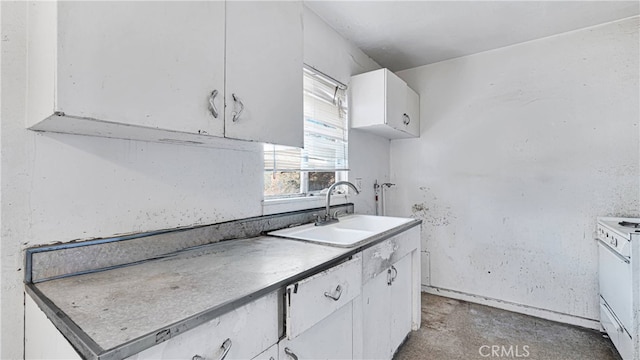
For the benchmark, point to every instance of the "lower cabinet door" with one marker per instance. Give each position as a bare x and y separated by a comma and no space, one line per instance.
375,319
387,310
401,301
42,340
331,338
239,334
312,299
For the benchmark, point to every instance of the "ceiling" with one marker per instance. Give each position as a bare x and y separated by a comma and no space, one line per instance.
404,34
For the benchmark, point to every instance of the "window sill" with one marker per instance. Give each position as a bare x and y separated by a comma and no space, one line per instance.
275,206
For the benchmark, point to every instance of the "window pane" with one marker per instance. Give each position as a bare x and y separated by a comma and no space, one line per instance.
281,183
321,180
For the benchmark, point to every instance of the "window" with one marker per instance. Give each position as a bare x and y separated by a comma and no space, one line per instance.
294,172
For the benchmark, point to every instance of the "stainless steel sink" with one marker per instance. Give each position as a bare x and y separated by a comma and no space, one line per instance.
350,231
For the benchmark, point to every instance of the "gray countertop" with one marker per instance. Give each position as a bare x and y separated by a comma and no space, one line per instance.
116,306
116,313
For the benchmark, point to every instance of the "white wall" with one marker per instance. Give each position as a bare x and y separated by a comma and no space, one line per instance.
59,187
369,161
521,148
2,50
13,78
327,51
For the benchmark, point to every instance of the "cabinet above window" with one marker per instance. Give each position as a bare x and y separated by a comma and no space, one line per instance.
185,72
385,105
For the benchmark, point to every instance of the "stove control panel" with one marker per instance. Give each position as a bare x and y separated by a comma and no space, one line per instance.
616,241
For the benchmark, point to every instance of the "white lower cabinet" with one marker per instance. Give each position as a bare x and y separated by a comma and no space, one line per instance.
242,333
389,307
361,308
319,313
309,301
41,338
387,311
269,354
376,308
376,330
400,303
331,338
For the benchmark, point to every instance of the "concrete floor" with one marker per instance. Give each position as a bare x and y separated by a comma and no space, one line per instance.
453,329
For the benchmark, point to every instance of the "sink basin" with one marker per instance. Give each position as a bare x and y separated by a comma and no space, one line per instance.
376,224
350,231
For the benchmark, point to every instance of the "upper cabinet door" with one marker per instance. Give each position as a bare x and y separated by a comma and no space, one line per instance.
396,101
412,120
383,104
264,72
150,64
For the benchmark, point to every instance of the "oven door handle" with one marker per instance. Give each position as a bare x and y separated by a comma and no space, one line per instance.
607,247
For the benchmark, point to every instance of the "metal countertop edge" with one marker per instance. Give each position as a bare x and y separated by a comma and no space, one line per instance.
88,349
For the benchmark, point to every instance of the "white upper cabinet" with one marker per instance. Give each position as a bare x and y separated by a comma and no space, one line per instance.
384,104
264,72
147,64
157,71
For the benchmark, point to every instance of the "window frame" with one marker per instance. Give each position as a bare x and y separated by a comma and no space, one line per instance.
304,186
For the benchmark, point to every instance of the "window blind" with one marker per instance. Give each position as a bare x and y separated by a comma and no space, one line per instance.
325,130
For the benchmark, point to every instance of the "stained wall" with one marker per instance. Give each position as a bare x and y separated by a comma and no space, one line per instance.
521,149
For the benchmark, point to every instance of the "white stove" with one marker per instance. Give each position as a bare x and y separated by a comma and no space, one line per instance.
619,279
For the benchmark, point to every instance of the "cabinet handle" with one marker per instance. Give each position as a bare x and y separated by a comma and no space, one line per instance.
335,297
236,114
226,345
391,278
290,353
406,119
395,273
212,105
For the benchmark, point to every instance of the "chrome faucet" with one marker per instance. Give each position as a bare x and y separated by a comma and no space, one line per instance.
328,219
